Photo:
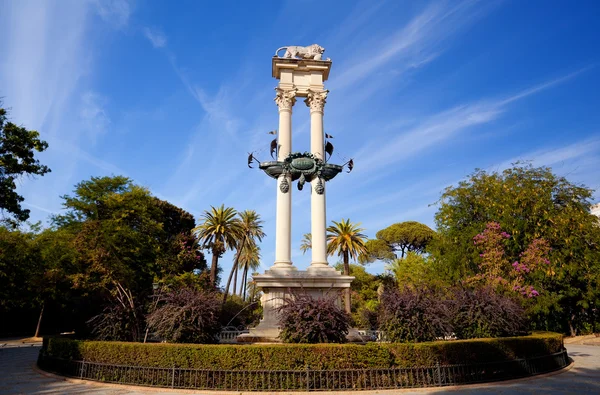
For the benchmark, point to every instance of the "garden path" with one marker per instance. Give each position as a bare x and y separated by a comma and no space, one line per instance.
18,375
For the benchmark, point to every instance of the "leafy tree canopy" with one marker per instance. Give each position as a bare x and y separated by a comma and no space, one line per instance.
126,235
401,237
529,203
17,158
219,231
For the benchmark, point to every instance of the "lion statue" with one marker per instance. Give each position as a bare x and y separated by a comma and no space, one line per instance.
314,51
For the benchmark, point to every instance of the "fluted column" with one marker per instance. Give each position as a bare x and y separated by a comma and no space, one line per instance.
316,101
285,100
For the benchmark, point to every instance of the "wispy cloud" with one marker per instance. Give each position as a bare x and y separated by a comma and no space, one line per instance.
156,37
555,155
40,208
417,43
46,86
442,126
544,86
578,161
114,12
80,154
93,114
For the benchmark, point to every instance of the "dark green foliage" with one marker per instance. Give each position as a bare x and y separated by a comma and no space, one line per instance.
304,319
18,259
239,314
302,356
99,260
413,315
34,275
365,301
481,312
528,203
125,240
17,146
403,237
186,315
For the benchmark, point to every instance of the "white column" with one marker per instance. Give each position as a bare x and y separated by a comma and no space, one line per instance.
285,100
316,101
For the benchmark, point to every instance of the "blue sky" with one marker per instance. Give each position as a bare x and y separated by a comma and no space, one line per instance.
174,95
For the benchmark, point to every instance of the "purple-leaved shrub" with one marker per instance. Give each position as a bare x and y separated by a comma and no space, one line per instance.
187,315
413,315
482,312
304,319
417,315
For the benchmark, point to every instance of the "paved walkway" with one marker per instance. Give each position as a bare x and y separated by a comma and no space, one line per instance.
18,376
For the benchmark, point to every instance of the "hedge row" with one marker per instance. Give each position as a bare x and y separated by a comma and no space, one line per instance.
301,356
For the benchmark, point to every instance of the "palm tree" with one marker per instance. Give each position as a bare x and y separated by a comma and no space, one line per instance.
251,232
249,260
345,239
306,243
219,231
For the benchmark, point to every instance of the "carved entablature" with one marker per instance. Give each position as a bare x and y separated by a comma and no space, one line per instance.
316,100
285,98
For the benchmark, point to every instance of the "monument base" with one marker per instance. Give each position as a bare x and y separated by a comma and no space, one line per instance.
278,283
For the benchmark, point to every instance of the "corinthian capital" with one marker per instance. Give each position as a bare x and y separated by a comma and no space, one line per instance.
285,99
316,100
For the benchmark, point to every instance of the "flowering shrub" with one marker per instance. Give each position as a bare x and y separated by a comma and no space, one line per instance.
495,269
304,319
481,312
413,315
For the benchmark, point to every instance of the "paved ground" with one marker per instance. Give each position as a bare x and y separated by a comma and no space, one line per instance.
18,376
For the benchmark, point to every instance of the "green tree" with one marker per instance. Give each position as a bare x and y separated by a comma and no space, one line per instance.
219,231
529,203
251,232
118,234
306,243
18,264
416,271
249,260
17,158
365,296
125,240
346,239
180,251
52,281
34,276
401,237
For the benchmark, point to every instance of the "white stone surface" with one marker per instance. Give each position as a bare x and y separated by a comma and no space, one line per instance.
315,100
285,99
276,285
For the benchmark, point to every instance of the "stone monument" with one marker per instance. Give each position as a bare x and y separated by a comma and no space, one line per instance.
301,73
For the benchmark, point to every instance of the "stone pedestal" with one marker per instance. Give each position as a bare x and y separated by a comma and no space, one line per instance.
277,284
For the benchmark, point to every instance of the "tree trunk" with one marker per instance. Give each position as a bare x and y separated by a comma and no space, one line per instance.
235,280
213,269
244,284
39,324
233,270
347,290
571,327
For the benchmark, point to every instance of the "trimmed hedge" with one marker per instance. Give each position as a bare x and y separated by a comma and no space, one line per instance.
301,356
